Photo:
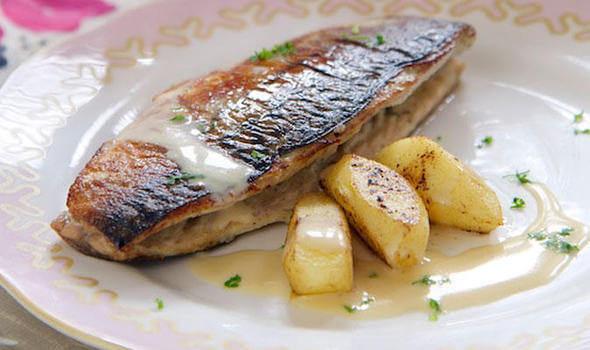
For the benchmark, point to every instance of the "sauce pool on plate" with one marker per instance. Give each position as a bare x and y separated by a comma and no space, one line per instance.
477,276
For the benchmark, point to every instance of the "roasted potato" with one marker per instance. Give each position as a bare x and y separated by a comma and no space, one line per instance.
317,257
382,206
453,194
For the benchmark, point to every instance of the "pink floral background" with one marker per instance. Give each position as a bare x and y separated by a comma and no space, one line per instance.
27,25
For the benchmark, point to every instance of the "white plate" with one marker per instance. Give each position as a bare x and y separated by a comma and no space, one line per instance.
526,77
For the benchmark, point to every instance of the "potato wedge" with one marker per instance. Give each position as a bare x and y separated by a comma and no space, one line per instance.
317,257
382,206
453,193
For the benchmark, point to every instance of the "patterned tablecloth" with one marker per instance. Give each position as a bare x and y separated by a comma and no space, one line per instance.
25,27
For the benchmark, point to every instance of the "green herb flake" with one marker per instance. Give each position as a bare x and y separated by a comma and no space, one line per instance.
265,54
566,231
486,141
555,242
159,303
178,118
581,131
578,118
436,309
353,36
522,177
444,280
355,29
233,282
559,246
427,280
257,155
439,139
373,275
363,305
174,179
349,309
206,128
517,203
537,236
380,40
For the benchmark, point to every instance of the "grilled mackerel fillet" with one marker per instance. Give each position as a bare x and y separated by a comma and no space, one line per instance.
275,123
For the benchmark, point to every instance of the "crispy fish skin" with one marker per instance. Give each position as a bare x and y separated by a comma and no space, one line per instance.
289,109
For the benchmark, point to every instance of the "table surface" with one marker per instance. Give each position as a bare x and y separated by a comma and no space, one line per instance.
25,27
21,330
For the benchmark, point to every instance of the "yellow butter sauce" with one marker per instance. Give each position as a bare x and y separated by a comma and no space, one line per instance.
477,276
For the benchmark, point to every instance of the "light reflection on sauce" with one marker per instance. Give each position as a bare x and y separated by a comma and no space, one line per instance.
477,276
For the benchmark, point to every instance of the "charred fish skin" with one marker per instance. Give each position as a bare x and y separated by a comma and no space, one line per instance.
273,115
139,193
305,96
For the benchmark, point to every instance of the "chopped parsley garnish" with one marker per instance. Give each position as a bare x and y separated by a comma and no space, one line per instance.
282,246
578,118
174,179
373,275
517,203
438,138
559,246
555,242
436,310
427,280
581,131
486,141
178,118
233,282
566,231
204,128
349,309
537,236
367,299
522,177
265,54
159,303
257,155
354,36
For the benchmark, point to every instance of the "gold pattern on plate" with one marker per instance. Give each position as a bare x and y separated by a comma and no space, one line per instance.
193,27
425,7
526,14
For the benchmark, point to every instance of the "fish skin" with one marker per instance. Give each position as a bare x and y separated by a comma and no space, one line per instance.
305,96
312,99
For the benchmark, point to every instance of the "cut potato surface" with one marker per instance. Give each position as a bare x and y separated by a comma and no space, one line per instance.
317,257
453,194
382,206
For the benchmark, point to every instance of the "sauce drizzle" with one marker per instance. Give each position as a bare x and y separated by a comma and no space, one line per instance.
477,276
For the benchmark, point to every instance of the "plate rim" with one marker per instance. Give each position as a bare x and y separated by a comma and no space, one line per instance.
13,290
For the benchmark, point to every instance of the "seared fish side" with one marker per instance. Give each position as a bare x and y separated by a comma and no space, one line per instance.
234,150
